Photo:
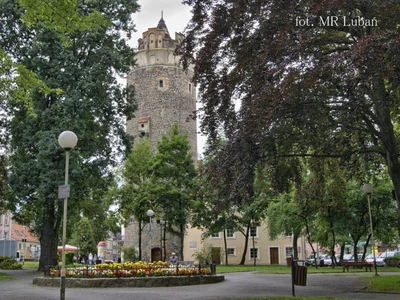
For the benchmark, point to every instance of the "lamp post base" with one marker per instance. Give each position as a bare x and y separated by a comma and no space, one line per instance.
62,289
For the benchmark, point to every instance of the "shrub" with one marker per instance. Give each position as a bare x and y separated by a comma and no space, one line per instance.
130,254
393,261
9,263
69,258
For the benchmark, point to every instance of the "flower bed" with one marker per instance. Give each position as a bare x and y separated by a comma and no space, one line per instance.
132,269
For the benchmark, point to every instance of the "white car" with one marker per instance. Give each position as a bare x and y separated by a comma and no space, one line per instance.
380,261
325,260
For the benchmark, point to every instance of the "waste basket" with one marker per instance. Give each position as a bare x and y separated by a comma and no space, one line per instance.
213,269
289,261
47,271
300,275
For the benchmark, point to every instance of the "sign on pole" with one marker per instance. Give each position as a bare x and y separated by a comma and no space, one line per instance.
63,191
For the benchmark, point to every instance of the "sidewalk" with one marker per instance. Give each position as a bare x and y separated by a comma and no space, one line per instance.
235,286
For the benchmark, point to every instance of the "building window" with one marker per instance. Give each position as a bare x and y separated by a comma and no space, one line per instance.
215,235
161,83
230,233
289,251
190,88
253,231
231,251
253,253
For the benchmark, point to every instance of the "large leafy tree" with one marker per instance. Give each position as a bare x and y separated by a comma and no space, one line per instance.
87,100
136,191
277,88
174,182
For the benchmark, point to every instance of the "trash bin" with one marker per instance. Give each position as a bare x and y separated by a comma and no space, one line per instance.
47,271
213,269
289,261
300,275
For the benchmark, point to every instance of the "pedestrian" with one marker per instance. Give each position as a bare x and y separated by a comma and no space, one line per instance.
173,260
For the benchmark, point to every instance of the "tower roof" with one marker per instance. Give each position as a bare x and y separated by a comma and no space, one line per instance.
162,25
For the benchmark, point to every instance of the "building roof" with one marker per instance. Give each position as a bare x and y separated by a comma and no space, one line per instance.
162,25
19,232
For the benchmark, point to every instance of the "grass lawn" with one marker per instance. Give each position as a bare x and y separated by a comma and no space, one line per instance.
384,284
4,277
30,265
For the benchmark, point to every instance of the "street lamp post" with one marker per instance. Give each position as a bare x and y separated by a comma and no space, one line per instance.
150,213
367,189
67,141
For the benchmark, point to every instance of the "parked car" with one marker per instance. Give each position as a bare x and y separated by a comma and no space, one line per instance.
325,260
310,261
322,260
370,257
380,261
348,257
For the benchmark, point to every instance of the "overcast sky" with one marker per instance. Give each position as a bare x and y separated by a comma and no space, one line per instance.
176,17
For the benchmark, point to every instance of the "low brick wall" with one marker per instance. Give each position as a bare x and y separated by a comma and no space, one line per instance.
129,282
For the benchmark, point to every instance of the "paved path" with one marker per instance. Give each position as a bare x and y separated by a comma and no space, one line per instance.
236,285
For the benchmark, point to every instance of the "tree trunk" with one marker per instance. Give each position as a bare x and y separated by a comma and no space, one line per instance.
394,171
246,242
48,238
140,229
295,252
387,136
182,240
225,248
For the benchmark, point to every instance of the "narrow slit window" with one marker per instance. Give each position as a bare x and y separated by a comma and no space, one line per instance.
161,83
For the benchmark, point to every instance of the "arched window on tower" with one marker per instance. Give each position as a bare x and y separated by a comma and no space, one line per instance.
152,41
161,83
159,41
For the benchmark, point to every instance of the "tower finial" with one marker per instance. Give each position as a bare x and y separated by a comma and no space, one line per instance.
162,14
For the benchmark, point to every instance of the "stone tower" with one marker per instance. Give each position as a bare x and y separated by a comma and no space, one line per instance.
164,92
165,95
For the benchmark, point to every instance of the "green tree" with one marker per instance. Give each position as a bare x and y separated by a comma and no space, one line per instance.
92,104
174,182
83,237
62,16
136,191
284,217
320,90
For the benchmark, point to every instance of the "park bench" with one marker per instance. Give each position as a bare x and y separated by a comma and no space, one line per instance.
357,264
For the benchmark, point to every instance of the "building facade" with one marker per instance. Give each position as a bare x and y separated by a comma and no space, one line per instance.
16,238
261,250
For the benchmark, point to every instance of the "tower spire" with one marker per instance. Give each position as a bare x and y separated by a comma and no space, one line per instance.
162,25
